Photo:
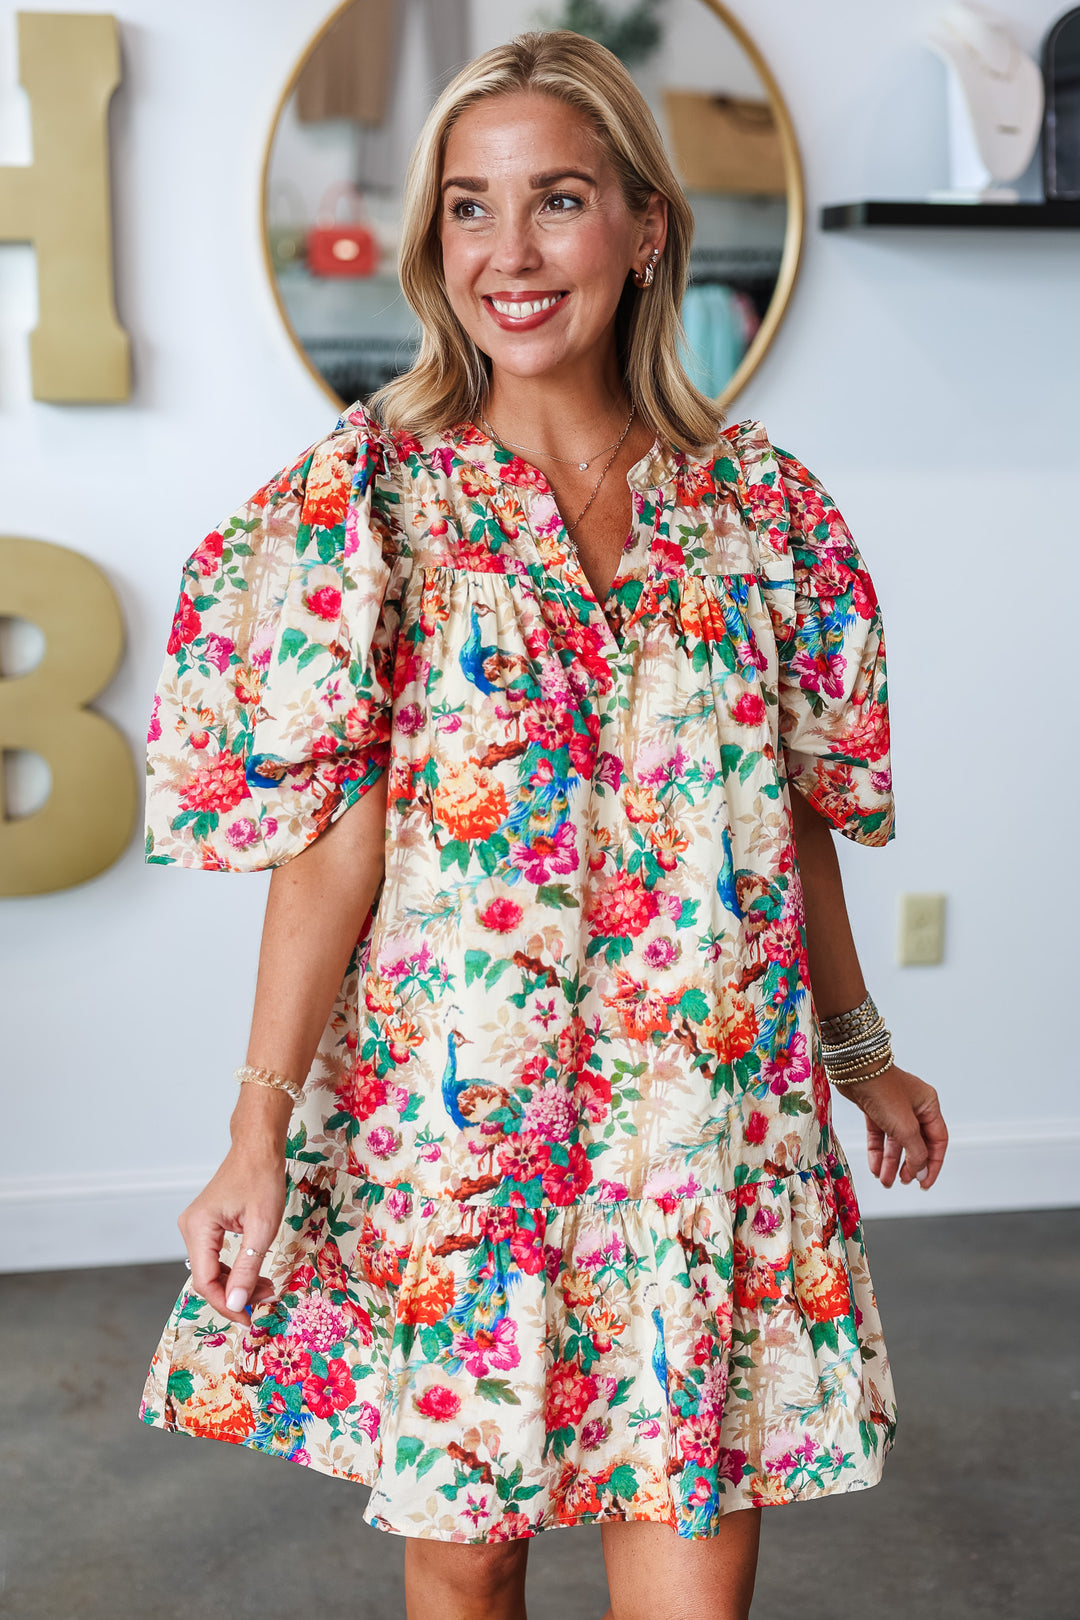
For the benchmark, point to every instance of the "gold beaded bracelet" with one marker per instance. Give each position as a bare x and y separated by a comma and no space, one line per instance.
247,1075
843,1079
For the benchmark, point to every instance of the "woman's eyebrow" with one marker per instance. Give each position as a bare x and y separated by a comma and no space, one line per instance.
539,181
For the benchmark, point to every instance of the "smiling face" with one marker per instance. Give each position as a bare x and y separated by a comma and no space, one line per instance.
537,239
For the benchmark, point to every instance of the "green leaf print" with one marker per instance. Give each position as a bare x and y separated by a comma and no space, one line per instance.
428,1460
694,1005
181,1385
408,1450
291,643
555,894
497,1389
825,1333
457,850
623,1482
476,964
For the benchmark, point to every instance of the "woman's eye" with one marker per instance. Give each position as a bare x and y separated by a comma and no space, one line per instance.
562,202
459,209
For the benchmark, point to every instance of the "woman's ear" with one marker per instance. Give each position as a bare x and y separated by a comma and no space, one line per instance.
655,223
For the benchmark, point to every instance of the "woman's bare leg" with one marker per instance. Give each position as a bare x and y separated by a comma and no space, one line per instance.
654,1574
450,1580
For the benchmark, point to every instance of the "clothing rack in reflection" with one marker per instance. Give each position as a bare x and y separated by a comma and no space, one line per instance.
750,270
355,366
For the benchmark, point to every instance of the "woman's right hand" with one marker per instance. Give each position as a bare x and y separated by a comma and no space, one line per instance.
246,1195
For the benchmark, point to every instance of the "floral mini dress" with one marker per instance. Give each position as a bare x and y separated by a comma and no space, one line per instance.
569,1236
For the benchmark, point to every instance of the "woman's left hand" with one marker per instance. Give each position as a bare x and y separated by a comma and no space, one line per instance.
903,1117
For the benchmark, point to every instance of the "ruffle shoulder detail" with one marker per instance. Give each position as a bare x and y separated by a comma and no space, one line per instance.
272,712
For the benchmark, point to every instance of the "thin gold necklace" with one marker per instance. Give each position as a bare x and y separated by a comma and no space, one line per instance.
570,527
567,461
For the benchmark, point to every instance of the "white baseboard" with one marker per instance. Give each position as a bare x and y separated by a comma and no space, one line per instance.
115,1219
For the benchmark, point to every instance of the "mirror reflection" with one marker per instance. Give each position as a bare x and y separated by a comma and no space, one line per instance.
340,146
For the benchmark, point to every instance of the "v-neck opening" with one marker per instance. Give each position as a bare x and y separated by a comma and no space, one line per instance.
570,568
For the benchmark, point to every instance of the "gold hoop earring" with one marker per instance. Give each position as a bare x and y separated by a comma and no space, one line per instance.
644,278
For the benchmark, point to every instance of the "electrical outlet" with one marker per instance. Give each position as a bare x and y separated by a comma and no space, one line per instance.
922,930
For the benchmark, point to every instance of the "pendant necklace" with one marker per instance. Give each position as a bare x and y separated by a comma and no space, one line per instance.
615,448
567,461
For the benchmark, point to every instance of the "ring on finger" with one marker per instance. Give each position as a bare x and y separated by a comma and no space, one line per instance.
259,1252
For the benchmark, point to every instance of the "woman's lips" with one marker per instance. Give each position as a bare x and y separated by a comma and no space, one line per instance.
534,303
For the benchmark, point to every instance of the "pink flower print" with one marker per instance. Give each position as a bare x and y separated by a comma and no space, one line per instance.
650,1430
550,1112
430,1152
285,1360
481,1350
730,1464
701,1493
501,916
398,1203
547,855
881,781
611,1192
594,1433
714,1387
324,1396
789,1066
410,719
661,953
218,650
608,1253
766,1222
318,1324
154,731
818,672
269,827
783,1453
243,833
398,1098
382,1142
367,1419
658,763
609,771
448,723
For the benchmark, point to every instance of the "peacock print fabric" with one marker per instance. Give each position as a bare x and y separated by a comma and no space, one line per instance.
569,1236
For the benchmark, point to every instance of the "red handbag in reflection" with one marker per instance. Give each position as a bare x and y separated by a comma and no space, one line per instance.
342,247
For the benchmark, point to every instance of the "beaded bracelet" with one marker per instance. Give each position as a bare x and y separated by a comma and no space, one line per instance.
246,1075
853,1079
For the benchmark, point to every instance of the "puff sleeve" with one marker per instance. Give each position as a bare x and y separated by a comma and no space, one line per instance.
832,686
272,713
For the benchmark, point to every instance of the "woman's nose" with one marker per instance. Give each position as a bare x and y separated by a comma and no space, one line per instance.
515,247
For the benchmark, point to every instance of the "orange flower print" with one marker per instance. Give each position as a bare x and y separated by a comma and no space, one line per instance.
569,1393
731,1028
755,1278
469,800
621,904
217,787
218,1410
248,685
641,804
821,1284
642,1012
427,1290
326,494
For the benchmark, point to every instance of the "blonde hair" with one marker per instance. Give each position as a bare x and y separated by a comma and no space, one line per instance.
448,382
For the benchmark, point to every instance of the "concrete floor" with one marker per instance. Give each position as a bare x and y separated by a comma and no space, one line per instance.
978,1516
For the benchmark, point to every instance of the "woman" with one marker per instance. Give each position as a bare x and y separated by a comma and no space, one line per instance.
558,1230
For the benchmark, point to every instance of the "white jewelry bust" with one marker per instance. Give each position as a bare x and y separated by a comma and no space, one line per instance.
995,103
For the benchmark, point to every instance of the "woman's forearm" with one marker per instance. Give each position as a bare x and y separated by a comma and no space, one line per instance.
836,979
314,913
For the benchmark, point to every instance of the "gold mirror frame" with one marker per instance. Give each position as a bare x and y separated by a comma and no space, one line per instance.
791,253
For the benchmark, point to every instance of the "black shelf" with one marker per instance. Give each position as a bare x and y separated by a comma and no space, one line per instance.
1018,216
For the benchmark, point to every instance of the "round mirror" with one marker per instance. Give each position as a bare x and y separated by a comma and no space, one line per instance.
354,105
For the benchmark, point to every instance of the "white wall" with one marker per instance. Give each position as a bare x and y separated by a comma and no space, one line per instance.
930,379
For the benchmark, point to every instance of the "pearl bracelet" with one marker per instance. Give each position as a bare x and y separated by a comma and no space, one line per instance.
249,1076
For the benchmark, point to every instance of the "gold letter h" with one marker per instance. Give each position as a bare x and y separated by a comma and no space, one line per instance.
69,66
